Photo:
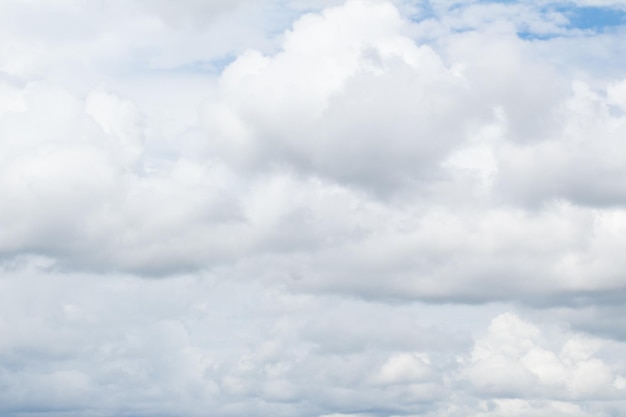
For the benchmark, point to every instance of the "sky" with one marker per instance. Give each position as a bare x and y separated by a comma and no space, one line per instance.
312,208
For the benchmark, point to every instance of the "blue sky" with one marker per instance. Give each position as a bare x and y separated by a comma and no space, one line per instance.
596,18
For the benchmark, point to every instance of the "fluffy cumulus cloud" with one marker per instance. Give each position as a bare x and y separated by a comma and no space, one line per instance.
527,368
323,208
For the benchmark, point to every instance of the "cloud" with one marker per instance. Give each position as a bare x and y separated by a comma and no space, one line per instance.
513,361
310,209
512,408
350,97
407,172
582,171
81,345
190,344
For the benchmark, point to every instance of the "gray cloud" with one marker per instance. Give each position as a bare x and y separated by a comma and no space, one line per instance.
146,347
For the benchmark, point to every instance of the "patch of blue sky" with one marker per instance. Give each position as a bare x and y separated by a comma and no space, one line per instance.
425,11
531,36
587,18
596,19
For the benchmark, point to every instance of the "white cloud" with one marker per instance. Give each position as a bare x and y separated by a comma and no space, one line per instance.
403,368
512,360
98,170
308,208
350,97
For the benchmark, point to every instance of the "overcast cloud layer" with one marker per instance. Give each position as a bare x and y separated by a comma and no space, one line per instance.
313,208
